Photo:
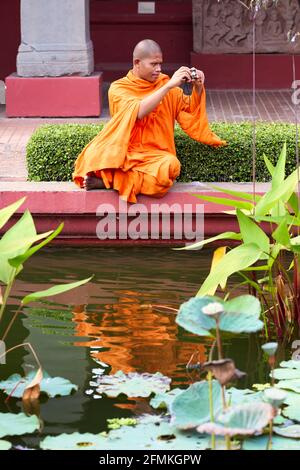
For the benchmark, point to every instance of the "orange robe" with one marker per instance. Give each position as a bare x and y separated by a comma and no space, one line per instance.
137,156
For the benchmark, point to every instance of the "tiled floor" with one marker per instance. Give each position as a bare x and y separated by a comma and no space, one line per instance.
229,106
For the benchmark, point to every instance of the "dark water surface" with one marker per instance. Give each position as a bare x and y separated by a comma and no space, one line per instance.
111,324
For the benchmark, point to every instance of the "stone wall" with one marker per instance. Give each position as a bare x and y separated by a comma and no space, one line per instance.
227,27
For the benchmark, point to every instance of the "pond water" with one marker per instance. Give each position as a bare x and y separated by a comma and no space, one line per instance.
112,324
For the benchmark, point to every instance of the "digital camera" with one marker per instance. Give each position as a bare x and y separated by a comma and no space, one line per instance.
193,73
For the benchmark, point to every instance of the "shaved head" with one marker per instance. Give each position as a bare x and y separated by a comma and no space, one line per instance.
146,48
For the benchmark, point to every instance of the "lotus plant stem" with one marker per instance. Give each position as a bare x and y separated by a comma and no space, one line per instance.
269,445
11,322
5,296
218,338
211,408
19,346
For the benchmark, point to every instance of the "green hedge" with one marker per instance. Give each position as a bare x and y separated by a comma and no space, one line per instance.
52,150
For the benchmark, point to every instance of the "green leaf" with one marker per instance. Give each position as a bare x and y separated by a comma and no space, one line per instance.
292,431
252,232
51,386
286,374
59,289
241,315
12,424
74,441
235,260
133,384
191,407
7,212
278,443
11,244
226,202
294,203
5,445
222,236
242,195
151,432
281,193
156,432
269,165
19,260
290,384
164,400
249,418
281,234
279,171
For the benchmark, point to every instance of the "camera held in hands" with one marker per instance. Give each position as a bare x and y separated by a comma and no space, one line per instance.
193,72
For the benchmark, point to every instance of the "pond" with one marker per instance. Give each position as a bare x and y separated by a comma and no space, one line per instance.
113,323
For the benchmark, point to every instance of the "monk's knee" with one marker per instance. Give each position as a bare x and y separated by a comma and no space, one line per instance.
174,167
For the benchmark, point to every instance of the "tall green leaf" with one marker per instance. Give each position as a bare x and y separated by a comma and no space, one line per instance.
281,193
59,289
281,234
222,236
226,202
253,233
279,170
19,260
235,260
240,194
7,212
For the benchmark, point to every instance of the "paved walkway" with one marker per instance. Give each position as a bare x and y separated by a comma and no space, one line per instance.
228,106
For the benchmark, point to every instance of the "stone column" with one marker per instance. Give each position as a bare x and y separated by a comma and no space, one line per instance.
55,39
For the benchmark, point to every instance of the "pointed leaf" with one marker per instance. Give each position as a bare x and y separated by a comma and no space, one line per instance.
281,234
222,236
235,260
59,289
252,232
226,202
240,194
19,260
7,212
269,165
219,253
279,170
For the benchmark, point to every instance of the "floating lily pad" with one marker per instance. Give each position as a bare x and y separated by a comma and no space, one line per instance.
286,374
4,445
293,385
274,396
235,396
133,384
51,386
75,441
240,315
151,432
155,432
278,443
293,410
292,431
191,407
290,364
16,424
164,400
241,419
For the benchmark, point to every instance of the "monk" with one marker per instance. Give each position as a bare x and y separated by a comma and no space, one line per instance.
135,151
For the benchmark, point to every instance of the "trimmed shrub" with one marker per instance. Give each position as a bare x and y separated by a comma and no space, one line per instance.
52,150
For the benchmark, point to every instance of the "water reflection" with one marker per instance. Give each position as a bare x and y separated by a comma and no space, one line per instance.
113,324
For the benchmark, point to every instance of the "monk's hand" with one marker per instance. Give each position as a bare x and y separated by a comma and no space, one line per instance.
199,81
182,75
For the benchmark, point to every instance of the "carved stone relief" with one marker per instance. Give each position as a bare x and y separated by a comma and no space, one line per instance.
227,27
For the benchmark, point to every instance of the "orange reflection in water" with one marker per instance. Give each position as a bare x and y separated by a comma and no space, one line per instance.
135,336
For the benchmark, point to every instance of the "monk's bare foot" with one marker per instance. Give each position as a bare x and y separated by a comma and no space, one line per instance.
92,182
